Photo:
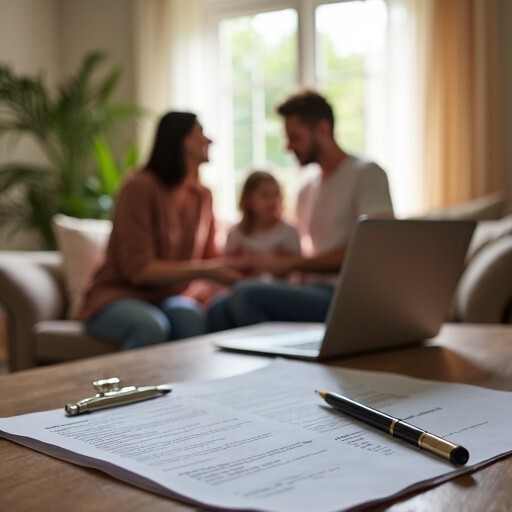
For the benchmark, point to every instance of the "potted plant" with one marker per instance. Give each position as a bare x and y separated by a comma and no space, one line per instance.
73,128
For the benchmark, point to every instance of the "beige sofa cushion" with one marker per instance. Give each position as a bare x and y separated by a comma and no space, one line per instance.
82,243
488,231
484,291
64,340
488,207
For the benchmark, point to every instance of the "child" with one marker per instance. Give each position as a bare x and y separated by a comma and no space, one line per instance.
261,229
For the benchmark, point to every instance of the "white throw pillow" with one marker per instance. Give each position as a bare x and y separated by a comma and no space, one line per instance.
82,243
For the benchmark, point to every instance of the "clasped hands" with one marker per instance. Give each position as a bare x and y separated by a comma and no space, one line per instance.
246,265
227,270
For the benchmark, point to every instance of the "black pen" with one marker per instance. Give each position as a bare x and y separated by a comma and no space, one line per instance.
397,428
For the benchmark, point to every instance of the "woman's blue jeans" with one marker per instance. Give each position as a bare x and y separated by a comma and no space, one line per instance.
253,301
134,323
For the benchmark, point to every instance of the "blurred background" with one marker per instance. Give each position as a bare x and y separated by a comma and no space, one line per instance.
421,86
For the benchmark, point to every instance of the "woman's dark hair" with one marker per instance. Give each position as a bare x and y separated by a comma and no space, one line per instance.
167,157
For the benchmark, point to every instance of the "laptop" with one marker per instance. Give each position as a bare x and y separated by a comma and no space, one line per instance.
395,288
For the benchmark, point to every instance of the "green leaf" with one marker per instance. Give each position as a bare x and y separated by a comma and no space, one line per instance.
107,87
131,157
108,171
18,175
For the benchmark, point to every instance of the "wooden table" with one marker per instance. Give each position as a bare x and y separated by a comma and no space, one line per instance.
480,355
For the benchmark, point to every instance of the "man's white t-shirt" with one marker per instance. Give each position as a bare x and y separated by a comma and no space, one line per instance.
327,209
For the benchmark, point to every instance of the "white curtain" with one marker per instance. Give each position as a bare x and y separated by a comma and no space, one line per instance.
398,145
169,58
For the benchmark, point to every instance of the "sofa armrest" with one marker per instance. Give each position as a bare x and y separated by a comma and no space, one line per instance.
484,293
31,290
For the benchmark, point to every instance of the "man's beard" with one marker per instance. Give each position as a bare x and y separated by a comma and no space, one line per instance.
312,155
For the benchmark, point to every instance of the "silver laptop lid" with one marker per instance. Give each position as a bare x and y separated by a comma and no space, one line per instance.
396,284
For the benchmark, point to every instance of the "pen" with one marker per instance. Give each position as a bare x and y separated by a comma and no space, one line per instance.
397,428
111,395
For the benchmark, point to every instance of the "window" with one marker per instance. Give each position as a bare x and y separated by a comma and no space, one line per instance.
260,52
350,57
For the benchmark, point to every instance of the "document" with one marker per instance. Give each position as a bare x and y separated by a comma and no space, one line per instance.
266,441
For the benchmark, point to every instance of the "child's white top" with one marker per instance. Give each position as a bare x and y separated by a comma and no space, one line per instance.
282,238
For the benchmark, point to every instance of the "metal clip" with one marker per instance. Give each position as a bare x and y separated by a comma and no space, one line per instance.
111,395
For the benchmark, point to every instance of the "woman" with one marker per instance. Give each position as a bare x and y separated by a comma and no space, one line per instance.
162,239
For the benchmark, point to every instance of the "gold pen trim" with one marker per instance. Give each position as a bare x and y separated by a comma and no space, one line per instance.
436,445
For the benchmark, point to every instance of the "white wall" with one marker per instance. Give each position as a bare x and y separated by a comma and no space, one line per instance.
29,36
99,25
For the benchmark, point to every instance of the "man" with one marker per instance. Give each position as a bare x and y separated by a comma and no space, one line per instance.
328,207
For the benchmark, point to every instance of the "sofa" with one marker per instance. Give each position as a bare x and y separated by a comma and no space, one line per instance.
36,297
